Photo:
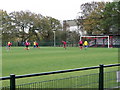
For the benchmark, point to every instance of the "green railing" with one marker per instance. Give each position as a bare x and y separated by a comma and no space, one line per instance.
100,80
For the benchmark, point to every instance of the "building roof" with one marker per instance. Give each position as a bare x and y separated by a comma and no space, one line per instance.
71,23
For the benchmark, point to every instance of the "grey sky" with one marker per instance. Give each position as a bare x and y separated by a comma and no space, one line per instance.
59,9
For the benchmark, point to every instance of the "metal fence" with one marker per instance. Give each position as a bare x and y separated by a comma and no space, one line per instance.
41,43
100,80
59,44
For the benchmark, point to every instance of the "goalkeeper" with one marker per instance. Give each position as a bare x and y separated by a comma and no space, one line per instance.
85,44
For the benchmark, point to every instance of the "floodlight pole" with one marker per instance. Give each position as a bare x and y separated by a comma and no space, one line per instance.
108,42
54,38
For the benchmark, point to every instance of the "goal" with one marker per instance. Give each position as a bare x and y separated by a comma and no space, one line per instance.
97,41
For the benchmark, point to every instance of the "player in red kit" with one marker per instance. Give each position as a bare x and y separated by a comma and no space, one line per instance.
37,45
9,45
64,44
80,44
27,45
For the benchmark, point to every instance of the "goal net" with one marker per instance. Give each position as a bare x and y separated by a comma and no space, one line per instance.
97,41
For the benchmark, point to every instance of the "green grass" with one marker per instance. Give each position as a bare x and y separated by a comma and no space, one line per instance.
19,61
45,59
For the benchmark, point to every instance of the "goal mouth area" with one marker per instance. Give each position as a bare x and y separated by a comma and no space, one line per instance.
98,41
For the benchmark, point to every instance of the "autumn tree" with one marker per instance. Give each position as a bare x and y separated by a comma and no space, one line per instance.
101,18
92,16
25,25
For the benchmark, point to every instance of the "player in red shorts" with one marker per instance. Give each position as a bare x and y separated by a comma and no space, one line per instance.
9,45
80,44
37,45
27,45
64,44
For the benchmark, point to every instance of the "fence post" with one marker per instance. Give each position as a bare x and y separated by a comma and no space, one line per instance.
101,77
12,82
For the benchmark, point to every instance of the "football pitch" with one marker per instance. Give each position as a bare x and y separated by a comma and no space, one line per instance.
45,59
19,61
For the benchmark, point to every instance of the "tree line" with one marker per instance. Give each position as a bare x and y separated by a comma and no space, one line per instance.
97,18
25,25
100,18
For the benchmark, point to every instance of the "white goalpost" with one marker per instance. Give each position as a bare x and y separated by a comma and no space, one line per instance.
108,38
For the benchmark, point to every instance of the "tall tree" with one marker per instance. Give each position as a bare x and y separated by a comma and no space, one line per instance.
110,22
6,26
48,25
91,17
25,24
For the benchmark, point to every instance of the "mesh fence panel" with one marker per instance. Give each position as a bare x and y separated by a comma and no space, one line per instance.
110,80
5,85
85,81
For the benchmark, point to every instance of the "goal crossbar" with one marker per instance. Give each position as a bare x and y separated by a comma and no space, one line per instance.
94,36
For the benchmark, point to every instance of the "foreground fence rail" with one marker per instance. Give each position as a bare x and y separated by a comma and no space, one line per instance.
98,79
